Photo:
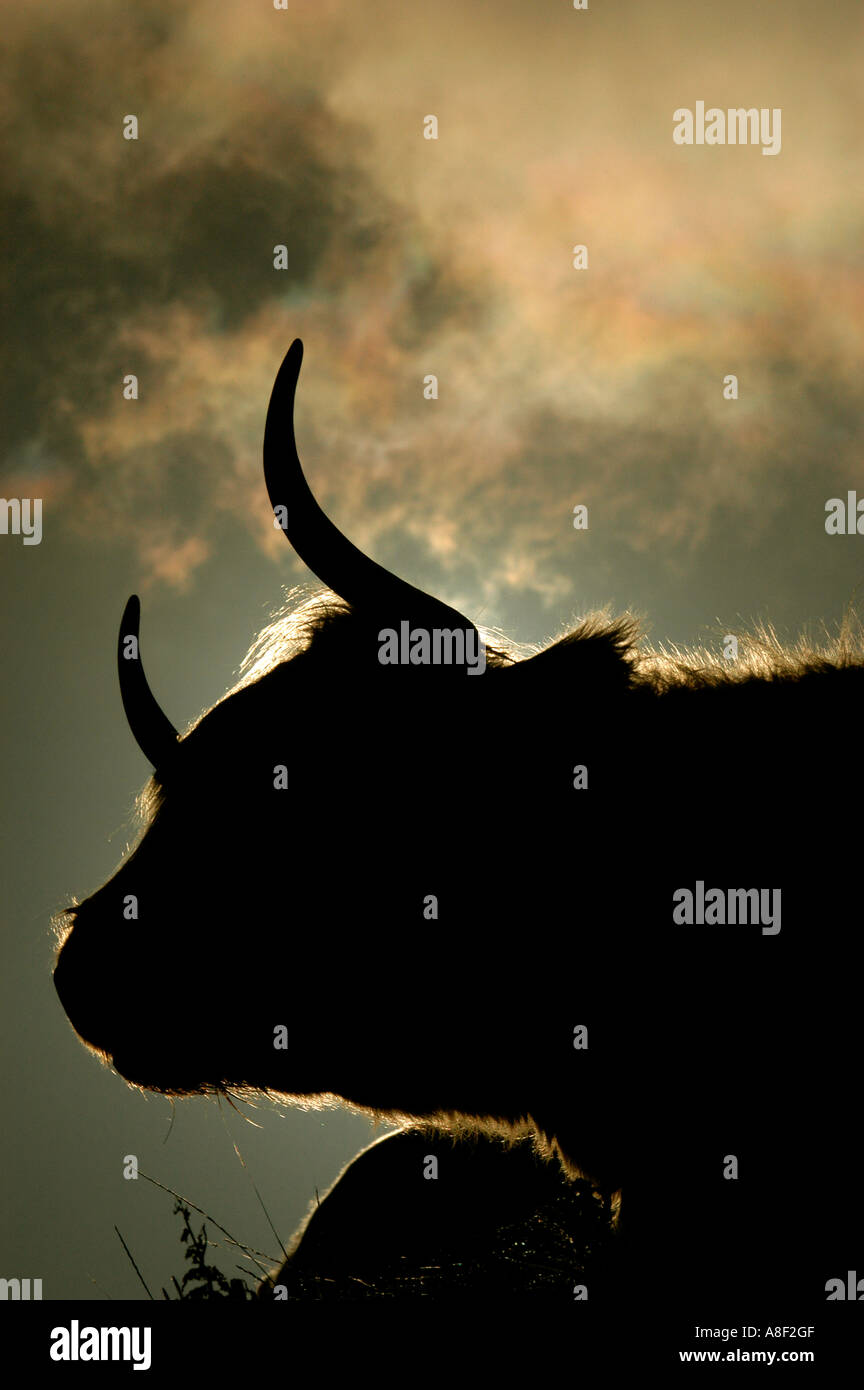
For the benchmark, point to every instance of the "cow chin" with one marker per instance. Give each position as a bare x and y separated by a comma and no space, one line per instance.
147,1071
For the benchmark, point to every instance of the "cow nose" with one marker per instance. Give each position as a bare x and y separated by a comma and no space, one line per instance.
67,980
60,976
81,991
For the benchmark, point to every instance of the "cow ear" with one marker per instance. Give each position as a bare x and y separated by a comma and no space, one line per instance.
597,657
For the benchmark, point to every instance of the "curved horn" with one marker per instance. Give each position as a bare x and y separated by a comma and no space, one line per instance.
339,564
154,732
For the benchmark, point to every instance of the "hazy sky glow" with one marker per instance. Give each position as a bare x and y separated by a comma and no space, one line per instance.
409,256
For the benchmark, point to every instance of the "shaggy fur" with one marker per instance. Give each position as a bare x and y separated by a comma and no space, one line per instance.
309,908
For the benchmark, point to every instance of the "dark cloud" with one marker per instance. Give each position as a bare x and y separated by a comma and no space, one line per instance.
407,257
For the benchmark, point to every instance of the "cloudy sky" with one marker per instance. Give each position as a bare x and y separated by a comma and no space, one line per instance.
406,257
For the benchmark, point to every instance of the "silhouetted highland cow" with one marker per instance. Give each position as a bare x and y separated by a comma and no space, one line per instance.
447,923
426,1213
